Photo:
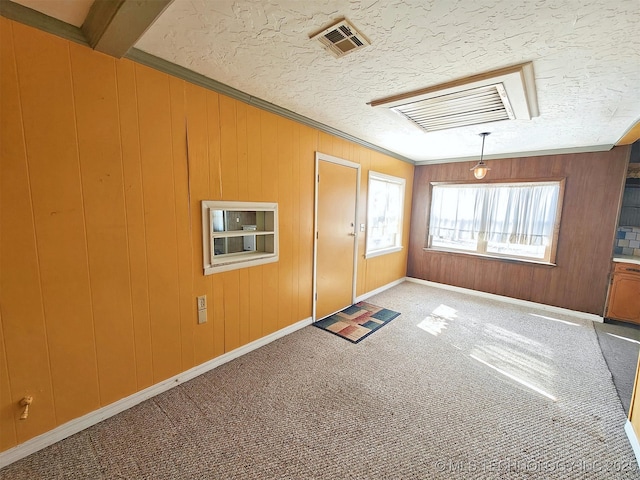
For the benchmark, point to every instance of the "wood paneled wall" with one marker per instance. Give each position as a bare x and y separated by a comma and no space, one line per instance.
104,164
593,188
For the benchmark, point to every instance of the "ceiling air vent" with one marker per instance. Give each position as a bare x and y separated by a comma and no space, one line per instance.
505,94
341,38
469,107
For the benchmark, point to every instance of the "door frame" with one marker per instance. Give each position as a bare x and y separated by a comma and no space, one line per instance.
345,163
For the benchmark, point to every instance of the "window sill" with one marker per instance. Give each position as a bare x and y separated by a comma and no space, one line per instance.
240,260
377,253
492,257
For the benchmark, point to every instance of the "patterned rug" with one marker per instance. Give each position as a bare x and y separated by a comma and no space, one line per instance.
357,321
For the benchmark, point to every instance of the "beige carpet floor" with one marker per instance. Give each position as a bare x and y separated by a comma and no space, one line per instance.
620,345
456,387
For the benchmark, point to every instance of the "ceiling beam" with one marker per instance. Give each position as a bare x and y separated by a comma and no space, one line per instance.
114,26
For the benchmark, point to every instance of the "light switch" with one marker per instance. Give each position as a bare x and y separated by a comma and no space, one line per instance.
202,316
202,302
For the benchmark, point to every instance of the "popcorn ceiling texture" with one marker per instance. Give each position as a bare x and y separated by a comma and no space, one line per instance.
586,57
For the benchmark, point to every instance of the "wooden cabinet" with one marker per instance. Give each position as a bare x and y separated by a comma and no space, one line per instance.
624,293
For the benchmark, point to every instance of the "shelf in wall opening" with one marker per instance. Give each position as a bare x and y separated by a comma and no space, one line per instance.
240,233
227,258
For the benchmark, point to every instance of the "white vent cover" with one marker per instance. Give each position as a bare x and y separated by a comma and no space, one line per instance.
505,94
469,107
341,38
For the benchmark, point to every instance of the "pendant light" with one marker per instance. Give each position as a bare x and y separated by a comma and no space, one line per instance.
481,169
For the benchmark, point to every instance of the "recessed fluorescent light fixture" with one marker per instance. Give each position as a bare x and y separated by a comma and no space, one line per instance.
505,94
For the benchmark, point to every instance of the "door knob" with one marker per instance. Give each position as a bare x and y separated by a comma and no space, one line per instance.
352,234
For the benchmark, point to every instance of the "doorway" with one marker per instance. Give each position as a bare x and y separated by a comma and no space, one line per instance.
335,248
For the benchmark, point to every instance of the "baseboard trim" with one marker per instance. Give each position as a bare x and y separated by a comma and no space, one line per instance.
633,440
74,426
514,301
378,290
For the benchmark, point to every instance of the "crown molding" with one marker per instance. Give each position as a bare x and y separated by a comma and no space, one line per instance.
32,18
536,153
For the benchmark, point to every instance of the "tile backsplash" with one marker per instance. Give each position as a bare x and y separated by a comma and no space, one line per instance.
627,241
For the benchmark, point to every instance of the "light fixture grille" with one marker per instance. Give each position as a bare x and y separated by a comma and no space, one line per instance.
468,107
341,39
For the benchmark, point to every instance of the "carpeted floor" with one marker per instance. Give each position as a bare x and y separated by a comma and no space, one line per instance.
620,344
456,387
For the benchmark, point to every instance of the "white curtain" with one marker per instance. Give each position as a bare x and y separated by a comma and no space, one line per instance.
522,214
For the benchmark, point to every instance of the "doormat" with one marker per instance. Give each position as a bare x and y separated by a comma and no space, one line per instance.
357,321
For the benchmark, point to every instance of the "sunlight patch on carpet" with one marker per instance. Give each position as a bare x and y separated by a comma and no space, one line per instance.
554,319
438,320
622,338
516,378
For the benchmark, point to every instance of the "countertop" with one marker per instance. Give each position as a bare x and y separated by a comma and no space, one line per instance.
626,259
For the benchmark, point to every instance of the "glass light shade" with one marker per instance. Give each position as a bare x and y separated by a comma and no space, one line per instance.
480,171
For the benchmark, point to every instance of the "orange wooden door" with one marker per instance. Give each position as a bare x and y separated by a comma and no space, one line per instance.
336,234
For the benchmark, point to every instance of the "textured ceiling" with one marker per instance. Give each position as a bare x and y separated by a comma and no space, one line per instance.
585,54
586,57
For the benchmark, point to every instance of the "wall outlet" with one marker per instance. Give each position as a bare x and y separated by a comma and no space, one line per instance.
202,302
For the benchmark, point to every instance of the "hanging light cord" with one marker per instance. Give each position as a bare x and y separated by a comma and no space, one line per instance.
483,135
481,169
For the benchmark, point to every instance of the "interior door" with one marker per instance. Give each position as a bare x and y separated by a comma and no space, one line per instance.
336,233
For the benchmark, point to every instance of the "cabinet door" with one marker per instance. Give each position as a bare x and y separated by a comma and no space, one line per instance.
624,300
